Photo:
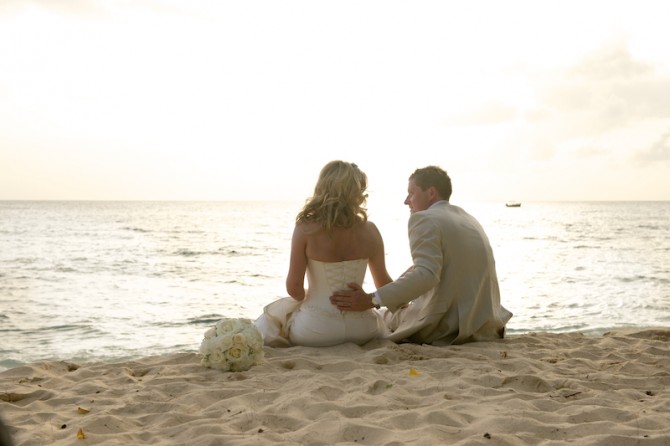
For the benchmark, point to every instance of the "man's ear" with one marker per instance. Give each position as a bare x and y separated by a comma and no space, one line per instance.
433,193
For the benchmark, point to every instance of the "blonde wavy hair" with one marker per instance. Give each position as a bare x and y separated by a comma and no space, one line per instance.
339,196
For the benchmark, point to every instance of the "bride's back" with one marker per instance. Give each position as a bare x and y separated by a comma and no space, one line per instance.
360,241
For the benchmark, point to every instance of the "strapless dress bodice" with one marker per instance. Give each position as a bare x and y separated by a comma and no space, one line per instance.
324,278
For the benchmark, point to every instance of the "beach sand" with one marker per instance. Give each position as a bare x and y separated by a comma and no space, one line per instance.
531,389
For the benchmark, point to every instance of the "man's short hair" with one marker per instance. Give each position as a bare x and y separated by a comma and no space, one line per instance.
426,177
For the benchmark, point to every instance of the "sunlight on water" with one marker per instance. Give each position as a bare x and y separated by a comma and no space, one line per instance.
109,280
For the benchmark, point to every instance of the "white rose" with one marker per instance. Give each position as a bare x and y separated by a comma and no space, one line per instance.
224,326
216,356
239,338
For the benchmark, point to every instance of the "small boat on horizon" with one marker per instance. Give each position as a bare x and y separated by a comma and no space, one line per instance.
513,204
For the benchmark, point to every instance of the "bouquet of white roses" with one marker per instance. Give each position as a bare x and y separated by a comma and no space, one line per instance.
232,344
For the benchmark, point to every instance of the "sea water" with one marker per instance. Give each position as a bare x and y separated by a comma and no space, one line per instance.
109,281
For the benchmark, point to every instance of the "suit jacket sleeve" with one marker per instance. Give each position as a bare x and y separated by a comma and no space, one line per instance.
425,238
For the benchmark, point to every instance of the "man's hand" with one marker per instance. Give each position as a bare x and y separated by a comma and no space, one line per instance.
354,300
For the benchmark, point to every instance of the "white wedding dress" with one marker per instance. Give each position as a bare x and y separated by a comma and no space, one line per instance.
315,322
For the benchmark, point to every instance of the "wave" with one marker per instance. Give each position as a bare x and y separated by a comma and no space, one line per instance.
65,269
9,363
648,226
136,229
643,278
229,252
206,319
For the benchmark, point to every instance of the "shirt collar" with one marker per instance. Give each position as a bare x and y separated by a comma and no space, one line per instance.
437,202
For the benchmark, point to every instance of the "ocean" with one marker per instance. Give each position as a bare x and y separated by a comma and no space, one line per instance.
111,281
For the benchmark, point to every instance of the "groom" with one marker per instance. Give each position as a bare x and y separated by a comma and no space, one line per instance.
450,294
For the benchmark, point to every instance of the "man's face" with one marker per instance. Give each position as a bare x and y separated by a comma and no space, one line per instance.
417,199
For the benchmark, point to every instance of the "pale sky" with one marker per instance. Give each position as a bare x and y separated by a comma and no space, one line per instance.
218,100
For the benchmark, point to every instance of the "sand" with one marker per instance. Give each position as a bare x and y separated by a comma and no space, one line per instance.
531,389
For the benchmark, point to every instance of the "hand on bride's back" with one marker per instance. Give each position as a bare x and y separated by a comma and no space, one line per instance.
354,299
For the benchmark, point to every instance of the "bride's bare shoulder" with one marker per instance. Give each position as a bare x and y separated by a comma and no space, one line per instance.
308,228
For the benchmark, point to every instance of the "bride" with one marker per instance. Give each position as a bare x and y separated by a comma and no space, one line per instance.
333,243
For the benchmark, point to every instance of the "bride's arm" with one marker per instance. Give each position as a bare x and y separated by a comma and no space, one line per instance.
377,261
295,279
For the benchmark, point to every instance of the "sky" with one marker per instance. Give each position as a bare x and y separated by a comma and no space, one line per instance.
247,100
